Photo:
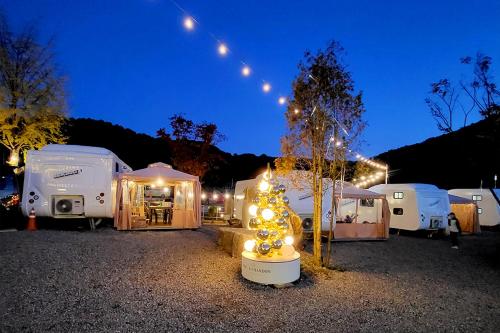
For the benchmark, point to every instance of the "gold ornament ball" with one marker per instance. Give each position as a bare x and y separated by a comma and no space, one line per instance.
264,248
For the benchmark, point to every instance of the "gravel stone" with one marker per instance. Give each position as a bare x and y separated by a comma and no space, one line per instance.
180,281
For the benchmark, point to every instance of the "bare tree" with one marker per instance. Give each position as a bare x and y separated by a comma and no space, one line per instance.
482,90
443,105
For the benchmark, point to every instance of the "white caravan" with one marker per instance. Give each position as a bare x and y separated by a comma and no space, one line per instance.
66,181
416,206
488,206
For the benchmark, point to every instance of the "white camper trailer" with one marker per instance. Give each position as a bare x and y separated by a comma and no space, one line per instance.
362,214
416,206
488,206
66,181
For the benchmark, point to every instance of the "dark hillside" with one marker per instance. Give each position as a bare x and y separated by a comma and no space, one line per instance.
460,159
139,150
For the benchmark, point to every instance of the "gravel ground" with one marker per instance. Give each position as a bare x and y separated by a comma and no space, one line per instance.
179,281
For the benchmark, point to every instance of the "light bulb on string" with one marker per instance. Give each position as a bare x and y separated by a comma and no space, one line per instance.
266,87
296,111
245,71
282,100
188,23
222,49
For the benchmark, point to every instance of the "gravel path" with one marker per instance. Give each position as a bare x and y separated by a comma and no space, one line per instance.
179,281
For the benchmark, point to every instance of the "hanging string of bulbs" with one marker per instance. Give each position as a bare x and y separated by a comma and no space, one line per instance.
190,24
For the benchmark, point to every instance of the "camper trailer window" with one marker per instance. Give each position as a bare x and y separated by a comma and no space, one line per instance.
367,202
398,195
397,211
479,210
117,167
477,197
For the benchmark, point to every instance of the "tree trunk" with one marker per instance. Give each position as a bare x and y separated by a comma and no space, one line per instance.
318,210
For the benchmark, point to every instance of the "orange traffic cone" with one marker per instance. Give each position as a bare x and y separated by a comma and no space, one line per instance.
32,221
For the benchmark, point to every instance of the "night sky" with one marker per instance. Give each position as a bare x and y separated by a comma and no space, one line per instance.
131,62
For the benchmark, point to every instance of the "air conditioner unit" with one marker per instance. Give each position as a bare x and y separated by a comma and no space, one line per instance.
67,205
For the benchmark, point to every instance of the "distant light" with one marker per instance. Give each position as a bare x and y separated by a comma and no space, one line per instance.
245,71
296,111
358,156
339,143
203,196
215,196
222,49
189,23
266,87
227,196
282,100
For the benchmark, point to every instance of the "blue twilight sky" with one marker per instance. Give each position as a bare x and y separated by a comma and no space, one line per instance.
130,62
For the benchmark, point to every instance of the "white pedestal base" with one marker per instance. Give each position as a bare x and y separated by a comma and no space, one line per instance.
265,270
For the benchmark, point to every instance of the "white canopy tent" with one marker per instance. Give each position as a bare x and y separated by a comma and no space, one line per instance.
158,191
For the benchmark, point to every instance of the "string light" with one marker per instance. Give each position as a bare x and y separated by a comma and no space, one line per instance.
296,111
282,100
222,49
266,87
189,23
245,71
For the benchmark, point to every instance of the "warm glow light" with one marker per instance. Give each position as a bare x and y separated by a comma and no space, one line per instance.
263,186
252,210
153,186
267,214
266,87
189,23
296,111
240,197
222,49
166,189
159,182
289,240
245,71
215,196
339,143
13,159
203,196
227,196
249,245
190,195
282,100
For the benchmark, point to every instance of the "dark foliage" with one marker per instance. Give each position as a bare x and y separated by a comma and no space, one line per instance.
460,159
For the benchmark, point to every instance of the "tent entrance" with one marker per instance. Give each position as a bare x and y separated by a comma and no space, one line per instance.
159,206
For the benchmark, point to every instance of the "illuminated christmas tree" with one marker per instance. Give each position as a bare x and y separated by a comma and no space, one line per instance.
271,218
